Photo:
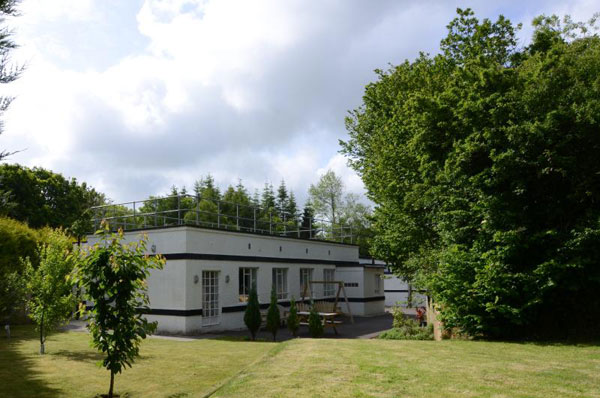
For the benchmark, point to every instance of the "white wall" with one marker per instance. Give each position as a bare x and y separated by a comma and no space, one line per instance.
173,288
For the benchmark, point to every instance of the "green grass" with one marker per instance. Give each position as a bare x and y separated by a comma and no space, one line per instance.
392,368
166,368
303,368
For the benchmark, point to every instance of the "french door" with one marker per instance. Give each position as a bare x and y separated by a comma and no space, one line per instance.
211,310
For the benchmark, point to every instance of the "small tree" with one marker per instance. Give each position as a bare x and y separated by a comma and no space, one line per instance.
50,300
252,317
273,316
293,322
113,276
315,326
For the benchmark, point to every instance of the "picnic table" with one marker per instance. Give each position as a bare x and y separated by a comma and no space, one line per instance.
327,318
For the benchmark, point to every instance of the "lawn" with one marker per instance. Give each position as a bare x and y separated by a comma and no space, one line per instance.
303,368
166,368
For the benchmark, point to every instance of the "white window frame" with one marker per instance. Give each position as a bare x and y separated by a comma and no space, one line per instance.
211,309
305,273
328,288
280,282
243,289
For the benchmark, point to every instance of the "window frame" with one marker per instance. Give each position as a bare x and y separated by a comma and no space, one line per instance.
280,282
243,290
328,288
303,273
377,288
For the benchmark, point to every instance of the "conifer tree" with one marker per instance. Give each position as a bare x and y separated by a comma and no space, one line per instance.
282,199
315,326
273,316
252,317
293,322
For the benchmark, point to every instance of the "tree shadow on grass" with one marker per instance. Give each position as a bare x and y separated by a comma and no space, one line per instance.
82,356
17,377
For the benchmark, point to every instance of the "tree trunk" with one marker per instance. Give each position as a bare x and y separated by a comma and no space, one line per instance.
112,383
42,348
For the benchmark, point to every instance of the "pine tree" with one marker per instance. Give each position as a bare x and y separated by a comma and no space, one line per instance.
252,317
268,197
291,208
282,199
273,316
307,221
293,322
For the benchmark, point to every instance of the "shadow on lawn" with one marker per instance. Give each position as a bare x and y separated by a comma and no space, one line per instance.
82,356
17,377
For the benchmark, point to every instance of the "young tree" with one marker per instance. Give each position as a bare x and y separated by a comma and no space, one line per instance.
483,163
113,276
49,290
252,317
315,324
273,316
293,322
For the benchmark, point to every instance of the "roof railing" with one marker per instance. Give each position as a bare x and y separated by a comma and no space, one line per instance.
185,209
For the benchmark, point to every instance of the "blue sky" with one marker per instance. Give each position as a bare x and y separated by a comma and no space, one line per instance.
134,96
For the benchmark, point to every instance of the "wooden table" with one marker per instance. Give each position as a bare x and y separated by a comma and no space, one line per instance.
327,319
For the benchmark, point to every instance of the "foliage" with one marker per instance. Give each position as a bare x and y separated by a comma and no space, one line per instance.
273,316
293,322
113,276
8,72
315,324
43,198
405,328
341,210
327,195
483,163
18,240
410,331
252,317
50,298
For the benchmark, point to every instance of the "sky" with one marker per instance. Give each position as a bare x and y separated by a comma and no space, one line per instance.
135,96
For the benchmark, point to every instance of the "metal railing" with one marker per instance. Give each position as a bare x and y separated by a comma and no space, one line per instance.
187,209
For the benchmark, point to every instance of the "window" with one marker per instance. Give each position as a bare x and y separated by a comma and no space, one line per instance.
280,282
329,289
305,277
377,284
247,281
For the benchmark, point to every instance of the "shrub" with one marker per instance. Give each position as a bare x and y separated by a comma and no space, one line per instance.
410,331
16,240
293,322
315,326
273,317
252,317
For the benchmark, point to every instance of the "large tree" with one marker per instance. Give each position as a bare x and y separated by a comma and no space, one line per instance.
8,71
41,197
483,162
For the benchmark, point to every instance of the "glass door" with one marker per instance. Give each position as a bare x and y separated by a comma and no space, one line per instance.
211,311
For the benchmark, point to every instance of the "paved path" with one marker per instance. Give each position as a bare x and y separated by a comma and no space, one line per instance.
363,328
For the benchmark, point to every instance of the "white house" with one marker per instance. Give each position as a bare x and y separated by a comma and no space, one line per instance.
208,274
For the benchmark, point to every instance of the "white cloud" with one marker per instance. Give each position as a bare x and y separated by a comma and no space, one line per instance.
135,97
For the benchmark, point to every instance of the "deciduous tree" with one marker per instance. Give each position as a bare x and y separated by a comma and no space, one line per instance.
113,276
483,163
